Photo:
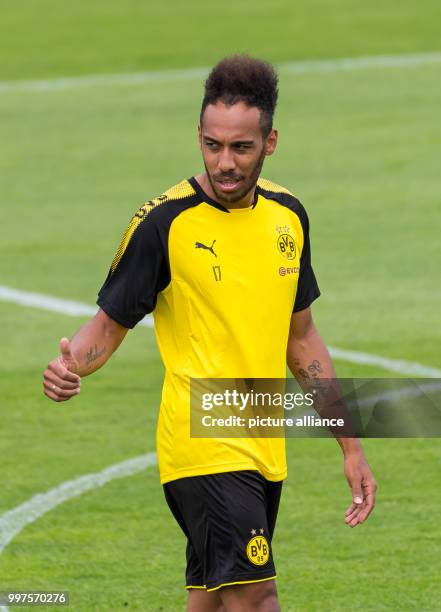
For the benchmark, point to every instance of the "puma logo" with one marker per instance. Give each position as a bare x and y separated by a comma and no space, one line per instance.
200,245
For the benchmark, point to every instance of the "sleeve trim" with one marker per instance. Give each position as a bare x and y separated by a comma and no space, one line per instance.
307,303
113,314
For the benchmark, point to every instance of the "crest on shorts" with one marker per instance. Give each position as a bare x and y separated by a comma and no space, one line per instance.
258,550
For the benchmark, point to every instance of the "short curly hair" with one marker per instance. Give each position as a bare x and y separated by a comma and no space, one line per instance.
241,78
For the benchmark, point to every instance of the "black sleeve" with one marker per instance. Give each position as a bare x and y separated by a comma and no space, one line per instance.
307,288
138,273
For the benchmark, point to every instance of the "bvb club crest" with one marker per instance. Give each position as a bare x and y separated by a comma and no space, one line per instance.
258,550
285,243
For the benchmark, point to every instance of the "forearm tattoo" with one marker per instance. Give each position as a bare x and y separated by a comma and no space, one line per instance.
94,353
328,401
310,377
312,371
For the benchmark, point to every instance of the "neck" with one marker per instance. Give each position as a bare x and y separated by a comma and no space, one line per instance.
244,202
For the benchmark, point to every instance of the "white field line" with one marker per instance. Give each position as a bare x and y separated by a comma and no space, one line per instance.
188,74
53,304
401,366
395,395
13,521
68,307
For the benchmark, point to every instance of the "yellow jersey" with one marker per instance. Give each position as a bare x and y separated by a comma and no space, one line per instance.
222,285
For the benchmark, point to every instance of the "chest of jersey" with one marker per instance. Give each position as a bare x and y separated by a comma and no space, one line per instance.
233,285
233,281
251,257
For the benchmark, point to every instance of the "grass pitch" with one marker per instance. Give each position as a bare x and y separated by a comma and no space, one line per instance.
360,148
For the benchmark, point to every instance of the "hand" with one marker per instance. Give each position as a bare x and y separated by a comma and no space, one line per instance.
60,379
363,486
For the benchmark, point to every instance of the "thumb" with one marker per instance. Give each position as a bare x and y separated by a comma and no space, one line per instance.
66,354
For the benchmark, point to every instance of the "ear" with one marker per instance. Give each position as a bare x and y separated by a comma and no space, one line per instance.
200,136
271,142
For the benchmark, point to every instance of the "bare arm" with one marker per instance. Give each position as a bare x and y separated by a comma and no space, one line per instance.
308,359
88,351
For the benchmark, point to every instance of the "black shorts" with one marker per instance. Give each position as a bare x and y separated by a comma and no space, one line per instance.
229,521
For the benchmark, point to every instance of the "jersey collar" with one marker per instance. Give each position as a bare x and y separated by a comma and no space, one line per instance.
205,198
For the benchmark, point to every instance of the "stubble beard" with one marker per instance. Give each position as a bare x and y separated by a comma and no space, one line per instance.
247,187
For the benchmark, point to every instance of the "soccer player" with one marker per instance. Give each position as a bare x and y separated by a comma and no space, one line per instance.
223,260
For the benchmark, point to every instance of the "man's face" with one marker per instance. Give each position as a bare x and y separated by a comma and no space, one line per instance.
233,148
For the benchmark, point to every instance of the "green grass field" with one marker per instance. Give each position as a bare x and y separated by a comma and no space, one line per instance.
360,148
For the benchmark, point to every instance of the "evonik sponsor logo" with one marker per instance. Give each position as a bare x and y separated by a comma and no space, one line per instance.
284,271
